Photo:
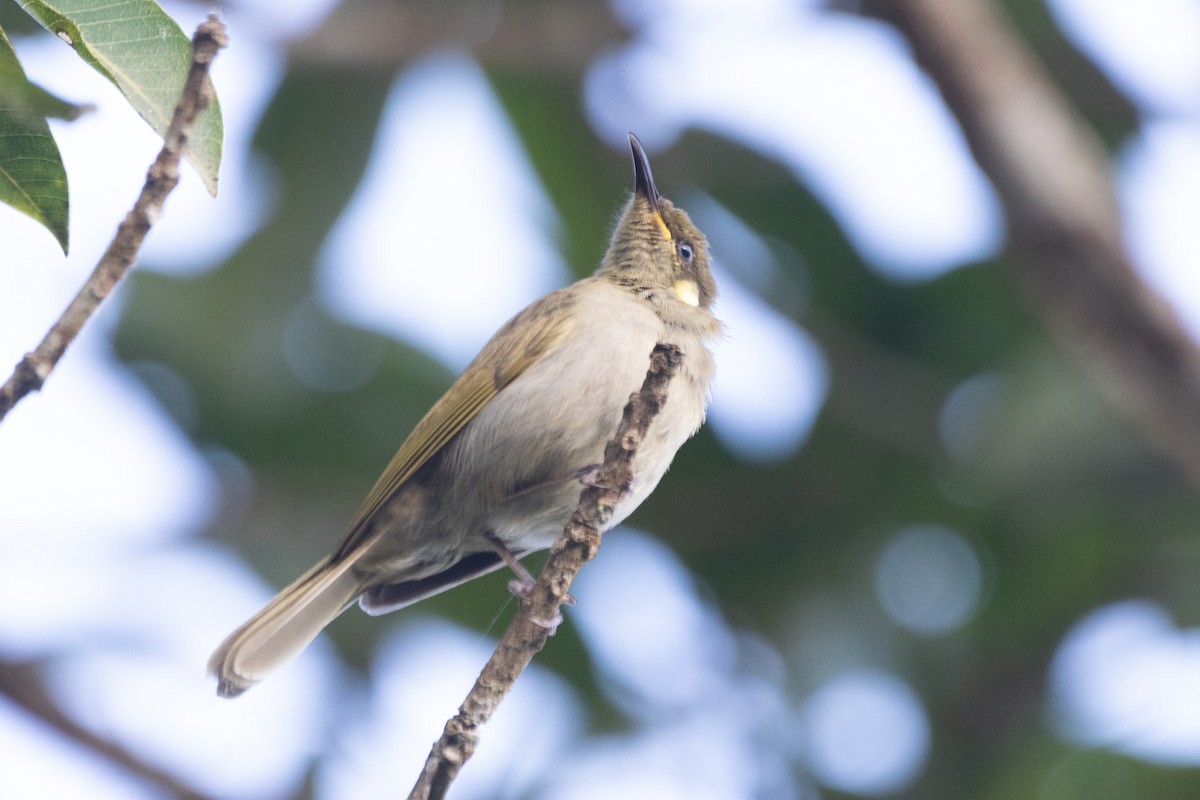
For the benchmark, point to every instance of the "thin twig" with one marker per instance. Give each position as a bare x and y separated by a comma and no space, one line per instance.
527,633
31,372
1055,181
22,684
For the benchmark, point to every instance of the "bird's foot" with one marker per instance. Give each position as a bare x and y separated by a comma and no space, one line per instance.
522,585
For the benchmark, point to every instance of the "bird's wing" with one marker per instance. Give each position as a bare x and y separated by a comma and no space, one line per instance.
522,341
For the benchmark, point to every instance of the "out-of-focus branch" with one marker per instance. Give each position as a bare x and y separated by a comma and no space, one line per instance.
533,624
31,372
545,36
22,684
1055,181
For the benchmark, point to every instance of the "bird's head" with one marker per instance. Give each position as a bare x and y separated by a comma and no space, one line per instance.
656,246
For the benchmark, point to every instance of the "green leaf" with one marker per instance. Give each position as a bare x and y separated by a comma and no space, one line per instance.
137,46
32,177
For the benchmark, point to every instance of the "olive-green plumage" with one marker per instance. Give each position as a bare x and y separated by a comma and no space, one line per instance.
494,468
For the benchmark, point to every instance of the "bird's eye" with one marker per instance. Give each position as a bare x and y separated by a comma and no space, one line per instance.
686,253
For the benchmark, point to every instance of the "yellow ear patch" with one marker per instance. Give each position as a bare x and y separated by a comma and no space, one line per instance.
687,291
666,232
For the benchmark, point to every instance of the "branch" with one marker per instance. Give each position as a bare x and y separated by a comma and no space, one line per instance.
21,683
540,37
1055,181
31,372
528,631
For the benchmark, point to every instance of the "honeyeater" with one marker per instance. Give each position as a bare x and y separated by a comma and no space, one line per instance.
495,469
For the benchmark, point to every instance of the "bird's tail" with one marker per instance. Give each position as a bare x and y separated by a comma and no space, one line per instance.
287,624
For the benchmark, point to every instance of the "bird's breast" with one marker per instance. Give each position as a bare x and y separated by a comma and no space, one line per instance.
514,469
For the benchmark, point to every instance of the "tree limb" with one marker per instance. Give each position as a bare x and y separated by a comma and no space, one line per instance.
528,631
21,683
31,372
545,37
1055,181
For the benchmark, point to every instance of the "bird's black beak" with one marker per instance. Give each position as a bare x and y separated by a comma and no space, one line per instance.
643,181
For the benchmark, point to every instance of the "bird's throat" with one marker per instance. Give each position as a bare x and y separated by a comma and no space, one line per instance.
688,291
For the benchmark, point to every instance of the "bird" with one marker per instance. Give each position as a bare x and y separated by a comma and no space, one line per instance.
494,470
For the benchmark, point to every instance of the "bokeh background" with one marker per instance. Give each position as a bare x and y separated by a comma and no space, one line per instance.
914,553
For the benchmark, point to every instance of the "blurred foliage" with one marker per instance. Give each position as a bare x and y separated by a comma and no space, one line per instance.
1067,504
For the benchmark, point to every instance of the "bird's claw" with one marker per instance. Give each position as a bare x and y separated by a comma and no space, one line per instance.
551,625
590,476
521,587
524,590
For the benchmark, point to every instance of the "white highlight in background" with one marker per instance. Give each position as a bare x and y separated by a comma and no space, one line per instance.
1151,48
420,675
1159,182
928,579
1125,677
867,733
444,280
771,377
